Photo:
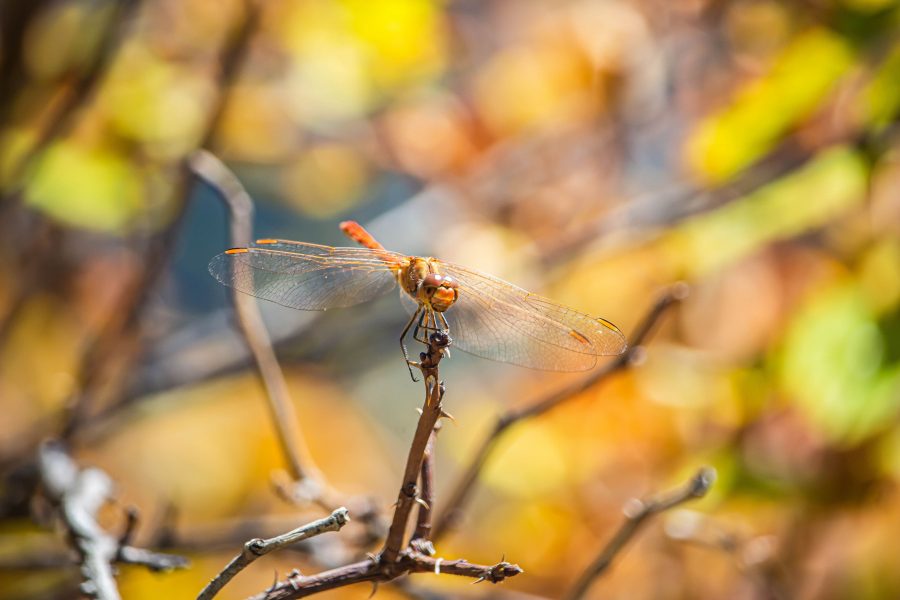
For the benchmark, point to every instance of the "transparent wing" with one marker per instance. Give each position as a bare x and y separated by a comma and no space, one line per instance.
308,276
497,320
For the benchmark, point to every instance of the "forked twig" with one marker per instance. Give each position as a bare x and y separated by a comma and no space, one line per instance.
255,548
463,489
637,512
397,558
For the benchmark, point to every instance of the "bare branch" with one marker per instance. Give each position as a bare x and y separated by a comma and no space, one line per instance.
396,558
421,538
304,472
636,513
255,548
79,494
431,412
79,95
299,586
463,489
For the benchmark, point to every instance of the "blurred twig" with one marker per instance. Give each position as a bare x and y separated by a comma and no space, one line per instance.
255,548
461,492
77,95
754,556
118,332
636,513
306,475
79,494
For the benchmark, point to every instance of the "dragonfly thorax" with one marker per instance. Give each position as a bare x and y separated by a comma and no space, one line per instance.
421,280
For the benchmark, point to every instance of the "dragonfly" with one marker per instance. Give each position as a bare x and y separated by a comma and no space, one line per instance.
484,315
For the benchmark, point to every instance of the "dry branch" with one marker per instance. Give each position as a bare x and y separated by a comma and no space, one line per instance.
463,489
255,548
78,494
421,538
637,512
397,556
307,477
372,570
431,413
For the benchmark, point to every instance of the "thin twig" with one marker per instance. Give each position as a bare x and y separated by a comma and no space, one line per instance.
255,548
299,586
637,512
754,557
421,538
79,494
463,489
307,478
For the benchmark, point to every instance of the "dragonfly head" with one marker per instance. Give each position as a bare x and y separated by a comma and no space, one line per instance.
438,291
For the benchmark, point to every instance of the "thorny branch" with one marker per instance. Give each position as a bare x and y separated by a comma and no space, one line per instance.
78,494
637,512
431,412
421,538
451,513
299,586
255,548
396,557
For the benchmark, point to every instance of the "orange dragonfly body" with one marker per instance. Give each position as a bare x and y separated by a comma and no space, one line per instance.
484,315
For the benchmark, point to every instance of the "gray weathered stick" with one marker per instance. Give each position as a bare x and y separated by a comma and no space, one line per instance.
79,494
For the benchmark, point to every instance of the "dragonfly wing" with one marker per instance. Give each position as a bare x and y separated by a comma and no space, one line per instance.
308,276
497,320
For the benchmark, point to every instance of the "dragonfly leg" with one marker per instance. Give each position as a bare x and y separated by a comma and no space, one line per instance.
423,323
403,335
445,326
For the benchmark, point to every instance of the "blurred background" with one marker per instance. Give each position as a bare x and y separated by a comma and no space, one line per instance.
594,151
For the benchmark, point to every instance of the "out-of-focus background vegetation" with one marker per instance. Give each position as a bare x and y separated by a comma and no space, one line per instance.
592,150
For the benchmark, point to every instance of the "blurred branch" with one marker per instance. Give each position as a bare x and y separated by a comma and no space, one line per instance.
463,489
258,547
80,94
637,512
755,557
115,335
307,477
79,494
